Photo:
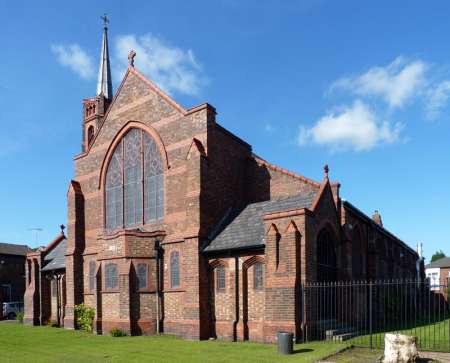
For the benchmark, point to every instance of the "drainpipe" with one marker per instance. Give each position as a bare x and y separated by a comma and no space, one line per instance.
236,292
40,294
157,255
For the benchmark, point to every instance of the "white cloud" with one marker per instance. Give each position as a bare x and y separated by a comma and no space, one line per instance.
74,57
171,68
355,127
395,83
437,99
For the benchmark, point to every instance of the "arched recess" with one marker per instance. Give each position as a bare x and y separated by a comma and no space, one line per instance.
253,297
218,301
358,254
326,255
275,238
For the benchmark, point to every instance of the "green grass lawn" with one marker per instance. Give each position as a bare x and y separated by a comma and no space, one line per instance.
21,343
433,337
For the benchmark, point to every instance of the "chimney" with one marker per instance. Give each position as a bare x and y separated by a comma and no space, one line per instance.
377,218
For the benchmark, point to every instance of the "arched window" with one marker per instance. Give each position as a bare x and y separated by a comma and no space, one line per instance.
142,273
175,269
90,134
220,278
258,276
111,277
92,267
134,188
326,257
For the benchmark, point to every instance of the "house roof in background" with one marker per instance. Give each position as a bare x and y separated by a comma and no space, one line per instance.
13,249
441,263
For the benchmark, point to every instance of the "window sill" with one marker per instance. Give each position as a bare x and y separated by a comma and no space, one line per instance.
110,291
144,291
174,290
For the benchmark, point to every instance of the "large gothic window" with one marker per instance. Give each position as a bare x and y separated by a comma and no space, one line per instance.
134,182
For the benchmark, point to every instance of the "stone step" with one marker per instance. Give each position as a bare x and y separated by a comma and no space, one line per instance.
344,337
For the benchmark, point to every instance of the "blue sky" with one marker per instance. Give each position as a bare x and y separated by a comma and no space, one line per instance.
361,86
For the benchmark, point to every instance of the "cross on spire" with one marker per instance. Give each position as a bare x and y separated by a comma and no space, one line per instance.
105,20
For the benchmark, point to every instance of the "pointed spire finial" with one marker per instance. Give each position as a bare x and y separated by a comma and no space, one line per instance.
63,227
104,84
105,20
326,170
131,56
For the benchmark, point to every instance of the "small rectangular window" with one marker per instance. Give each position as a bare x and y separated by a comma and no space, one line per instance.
111,277
92,267
53,288
258,279
174,269
142,273
220,278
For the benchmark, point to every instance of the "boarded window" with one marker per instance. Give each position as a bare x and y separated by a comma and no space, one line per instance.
92,268
220,278
142,274
111,277
258,276
175,269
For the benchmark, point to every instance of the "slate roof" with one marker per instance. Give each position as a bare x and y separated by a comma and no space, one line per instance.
56,259
244,228
12,249
441,263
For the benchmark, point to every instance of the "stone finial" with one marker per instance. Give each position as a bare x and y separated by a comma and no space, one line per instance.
131,56
326,170
63,227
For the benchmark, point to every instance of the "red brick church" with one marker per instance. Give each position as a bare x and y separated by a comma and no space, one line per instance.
176,226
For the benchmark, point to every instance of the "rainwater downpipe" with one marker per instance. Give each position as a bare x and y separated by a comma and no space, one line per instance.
236,289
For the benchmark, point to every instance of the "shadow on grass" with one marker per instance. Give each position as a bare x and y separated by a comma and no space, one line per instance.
306,350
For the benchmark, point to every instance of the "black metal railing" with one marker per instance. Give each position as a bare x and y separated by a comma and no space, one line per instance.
362,312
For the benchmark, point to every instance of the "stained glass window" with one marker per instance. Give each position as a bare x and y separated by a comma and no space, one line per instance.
142,273
175,269
132,178
258,281
220,278
134,182
153,181
111,277
114,191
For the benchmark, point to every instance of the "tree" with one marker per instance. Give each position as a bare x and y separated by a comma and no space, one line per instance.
438,255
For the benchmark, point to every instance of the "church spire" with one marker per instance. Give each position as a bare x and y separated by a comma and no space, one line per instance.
104,84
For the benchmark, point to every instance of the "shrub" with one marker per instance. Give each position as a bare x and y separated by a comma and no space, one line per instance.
19,317
84,316
54,324
116,332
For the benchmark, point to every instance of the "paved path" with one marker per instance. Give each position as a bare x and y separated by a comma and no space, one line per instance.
441,357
